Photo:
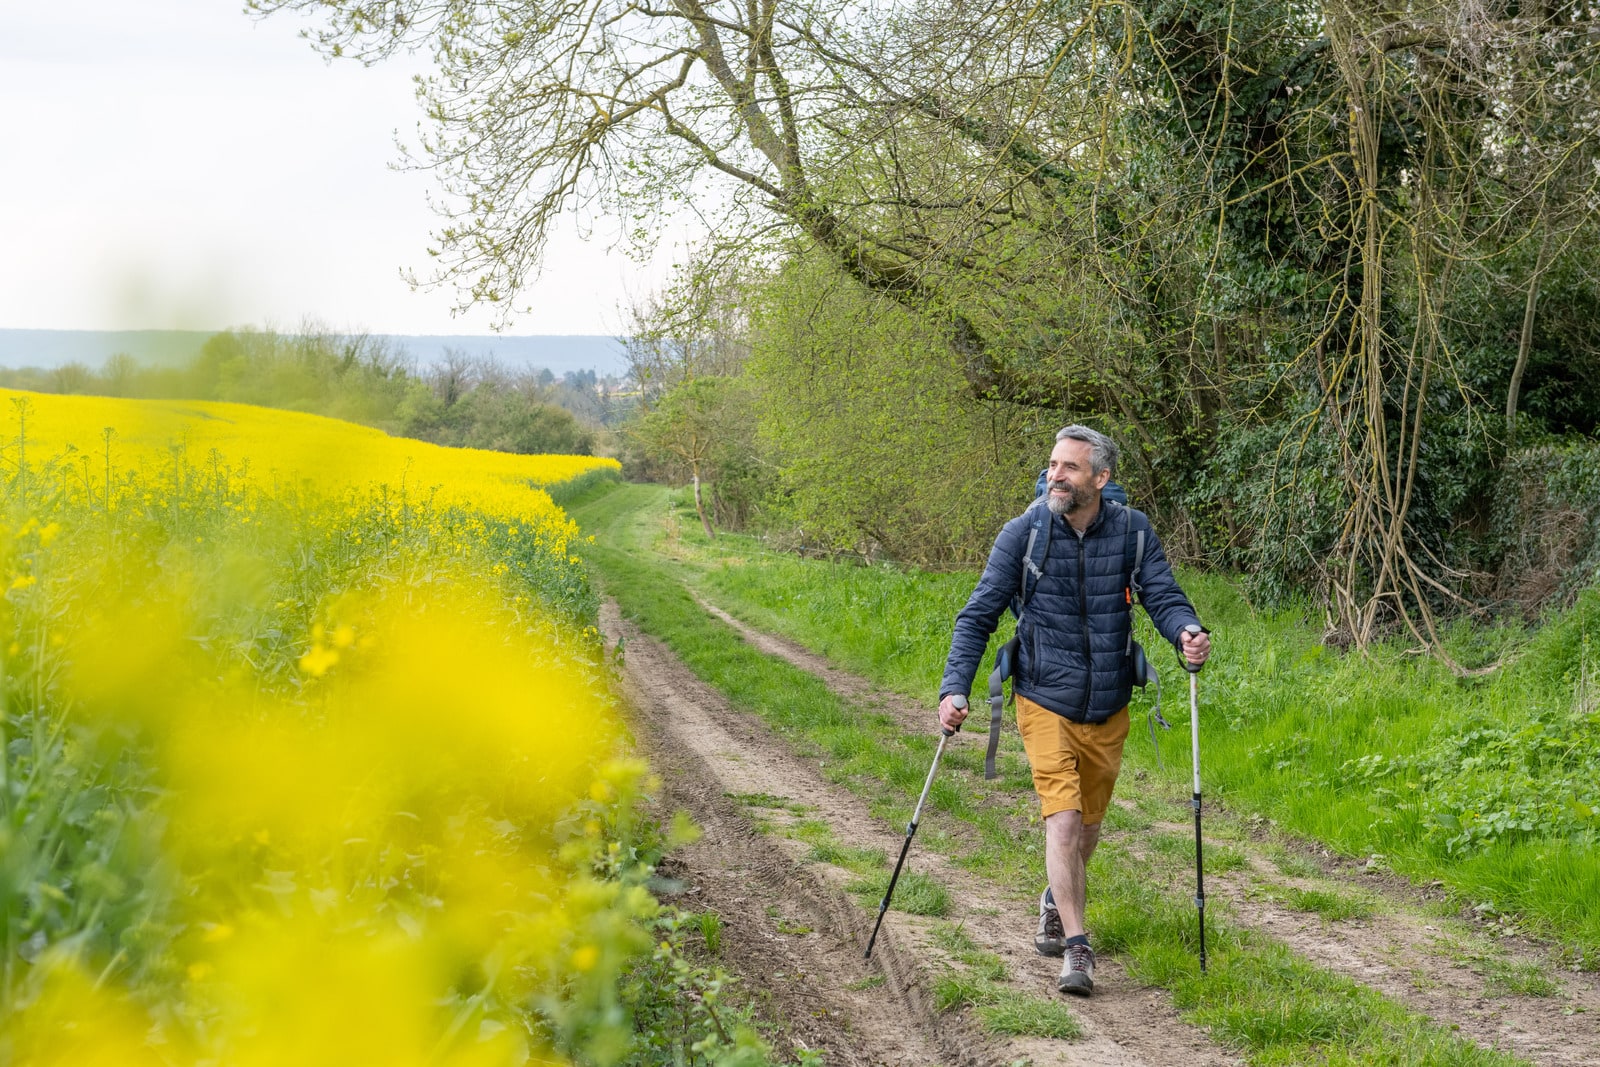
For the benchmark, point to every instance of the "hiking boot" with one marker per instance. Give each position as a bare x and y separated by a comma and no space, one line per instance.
1051,940
1077,974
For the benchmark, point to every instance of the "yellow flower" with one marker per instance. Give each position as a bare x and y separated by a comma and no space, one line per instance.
585,957
317,661
22,581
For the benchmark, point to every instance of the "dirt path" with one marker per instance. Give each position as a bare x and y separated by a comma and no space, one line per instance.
1452,971
1447,969
796,938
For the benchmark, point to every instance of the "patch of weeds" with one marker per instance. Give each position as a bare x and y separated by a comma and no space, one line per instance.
1121,818
811,831
856,860
1293,864
954,940
1224,858
1180,847
870,982
1331,906
952,937
914,894
986,965
1518,978
1447,908
961,990
1005,1011
766,800
826,849
784,926
1020,1015
710,924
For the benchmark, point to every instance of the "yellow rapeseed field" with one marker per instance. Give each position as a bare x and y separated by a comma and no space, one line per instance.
298,768
278,448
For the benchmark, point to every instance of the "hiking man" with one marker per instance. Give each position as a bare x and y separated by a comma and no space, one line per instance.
1073,673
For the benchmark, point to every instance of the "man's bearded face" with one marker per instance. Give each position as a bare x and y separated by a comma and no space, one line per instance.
1063,498
1071,486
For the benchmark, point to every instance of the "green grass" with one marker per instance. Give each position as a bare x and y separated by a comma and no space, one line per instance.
1331,905
1519,978
1005,1011
915,893
984,964
1020,1015
1258,997
1353,751
1292,864
765,800
710,926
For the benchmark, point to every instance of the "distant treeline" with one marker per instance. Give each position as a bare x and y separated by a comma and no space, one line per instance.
461,401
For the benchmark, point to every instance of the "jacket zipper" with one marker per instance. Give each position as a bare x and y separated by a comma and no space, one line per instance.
1083,616
1033,645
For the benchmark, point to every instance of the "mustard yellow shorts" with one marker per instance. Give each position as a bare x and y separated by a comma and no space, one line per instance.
1075,764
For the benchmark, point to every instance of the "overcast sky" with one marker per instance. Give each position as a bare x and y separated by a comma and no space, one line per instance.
177,164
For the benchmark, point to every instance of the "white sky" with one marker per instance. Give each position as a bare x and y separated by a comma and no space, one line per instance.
174,164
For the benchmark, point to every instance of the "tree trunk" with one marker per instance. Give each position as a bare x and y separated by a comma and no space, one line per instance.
700,507
1524,346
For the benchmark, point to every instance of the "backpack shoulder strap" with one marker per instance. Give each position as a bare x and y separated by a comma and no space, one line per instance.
1135,587
1005,661
1033,556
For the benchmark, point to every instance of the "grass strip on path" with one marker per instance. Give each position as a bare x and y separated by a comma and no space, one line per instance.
1258,997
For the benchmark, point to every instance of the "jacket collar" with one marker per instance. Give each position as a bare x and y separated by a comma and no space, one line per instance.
1094,527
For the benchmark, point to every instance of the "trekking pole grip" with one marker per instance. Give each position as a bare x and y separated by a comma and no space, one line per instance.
1193,668
959,702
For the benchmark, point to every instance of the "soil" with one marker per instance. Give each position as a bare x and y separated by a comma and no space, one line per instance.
1448,969
795,938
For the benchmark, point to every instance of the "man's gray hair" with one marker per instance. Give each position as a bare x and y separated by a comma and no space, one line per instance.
1102,449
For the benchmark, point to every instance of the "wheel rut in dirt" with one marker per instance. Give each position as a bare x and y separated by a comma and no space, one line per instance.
764,884
1444,969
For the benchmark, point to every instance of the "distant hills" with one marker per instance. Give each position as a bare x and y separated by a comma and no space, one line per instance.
559,353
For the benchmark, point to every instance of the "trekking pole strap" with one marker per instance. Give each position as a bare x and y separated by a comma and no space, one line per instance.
1003,661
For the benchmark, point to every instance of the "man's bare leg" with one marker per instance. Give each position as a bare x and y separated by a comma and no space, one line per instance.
1068,844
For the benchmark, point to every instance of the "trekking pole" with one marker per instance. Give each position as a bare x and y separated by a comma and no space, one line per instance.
1194,744
911,830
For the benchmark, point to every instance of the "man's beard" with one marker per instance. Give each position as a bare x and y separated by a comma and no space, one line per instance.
1061,505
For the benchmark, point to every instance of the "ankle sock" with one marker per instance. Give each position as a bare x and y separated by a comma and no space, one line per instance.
1078,939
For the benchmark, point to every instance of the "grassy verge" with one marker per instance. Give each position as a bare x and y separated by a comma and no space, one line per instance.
1491,785
1258,997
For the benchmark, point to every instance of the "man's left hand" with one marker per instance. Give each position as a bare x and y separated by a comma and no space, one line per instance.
1196,647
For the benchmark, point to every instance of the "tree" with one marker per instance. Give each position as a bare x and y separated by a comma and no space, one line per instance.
689,425
1259,220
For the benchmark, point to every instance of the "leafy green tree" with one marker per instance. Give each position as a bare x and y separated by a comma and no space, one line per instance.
691,428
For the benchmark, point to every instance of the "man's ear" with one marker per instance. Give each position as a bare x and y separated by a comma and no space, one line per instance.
1102,478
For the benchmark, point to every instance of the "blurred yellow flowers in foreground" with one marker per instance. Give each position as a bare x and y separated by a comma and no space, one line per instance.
309,758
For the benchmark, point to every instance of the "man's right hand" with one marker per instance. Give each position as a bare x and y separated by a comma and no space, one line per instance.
950,716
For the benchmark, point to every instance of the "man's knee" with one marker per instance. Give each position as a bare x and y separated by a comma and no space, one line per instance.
1066,828
1088,837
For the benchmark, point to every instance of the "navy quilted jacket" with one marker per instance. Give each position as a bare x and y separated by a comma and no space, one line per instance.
1076,630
